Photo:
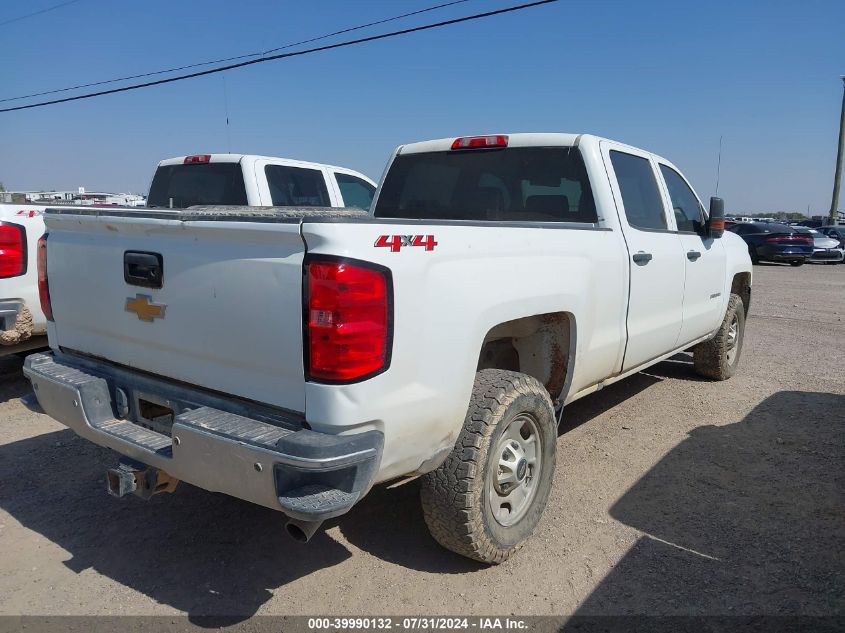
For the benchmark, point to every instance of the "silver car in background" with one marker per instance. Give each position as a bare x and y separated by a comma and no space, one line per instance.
826,250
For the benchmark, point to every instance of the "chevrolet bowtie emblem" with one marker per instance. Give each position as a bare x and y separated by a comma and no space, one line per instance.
143,306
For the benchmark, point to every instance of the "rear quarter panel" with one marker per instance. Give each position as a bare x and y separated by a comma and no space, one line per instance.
446,301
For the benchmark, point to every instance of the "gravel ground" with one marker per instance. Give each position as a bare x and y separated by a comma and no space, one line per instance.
673,495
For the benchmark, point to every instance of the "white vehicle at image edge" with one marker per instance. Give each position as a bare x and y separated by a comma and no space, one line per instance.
22,323
296,357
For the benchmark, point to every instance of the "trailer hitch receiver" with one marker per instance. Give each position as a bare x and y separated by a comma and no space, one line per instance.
134,477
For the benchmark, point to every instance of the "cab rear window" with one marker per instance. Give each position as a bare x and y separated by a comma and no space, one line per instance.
520,184
183,186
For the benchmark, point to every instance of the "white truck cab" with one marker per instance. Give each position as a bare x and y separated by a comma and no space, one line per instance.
256,181
294,357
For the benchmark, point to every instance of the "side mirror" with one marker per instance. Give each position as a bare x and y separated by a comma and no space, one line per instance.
716,219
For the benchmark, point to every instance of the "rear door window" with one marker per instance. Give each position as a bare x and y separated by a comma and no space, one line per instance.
296,186
355,191
689,214
183,186
640,195
520,184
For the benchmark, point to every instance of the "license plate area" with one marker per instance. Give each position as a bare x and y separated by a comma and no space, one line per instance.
154,413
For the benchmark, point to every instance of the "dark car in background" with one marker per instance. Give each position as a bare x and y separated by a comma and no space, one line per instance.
775,242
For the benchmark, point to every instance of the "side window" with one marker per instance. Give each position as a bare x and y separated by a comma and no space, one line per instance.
296,186
689,215
640,196
355,192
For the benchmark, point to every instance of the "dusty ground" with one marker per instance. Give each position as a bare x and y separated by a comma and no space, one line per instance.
672,495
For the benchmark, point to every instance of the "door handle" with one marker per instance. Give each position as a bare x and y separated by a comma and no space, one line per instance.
641,258
143,269
693,255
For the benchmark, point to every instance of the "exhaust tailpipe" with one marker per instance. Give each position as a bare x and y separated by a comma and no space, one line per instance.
302,531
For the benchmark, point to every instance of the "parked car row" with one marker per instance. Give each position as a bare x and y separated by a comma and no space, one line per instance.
796,245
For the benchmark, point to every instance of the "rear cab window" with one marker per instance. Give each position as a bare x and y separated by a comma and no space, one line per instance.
296,186
517,184
640,195
355,191
181,186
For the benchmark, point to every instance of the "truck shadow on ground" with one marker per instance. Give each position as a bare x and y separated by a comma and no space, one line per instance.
746,518
12,383
215,557
199,552
211,555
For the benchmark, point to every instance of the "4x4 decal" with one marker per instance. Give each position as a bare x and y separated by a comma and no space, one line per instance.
396,242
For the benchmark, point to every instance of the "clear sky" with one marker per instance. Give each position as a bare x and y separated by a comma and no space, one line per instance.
670,77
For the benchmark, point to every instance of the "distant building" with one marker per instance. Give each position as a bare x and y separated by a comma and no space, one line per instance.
74,197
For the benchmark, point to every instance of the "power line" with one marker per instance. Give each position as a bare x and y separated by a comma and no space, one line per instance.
39,12
317,49
236,57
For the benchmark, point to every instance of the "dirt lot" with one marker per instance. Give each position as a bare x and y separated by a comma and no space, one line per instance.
673,495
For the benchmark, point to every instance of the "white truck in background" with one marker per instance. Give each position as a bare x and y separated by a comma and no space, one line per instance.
184,181
23,326
296,357
256,181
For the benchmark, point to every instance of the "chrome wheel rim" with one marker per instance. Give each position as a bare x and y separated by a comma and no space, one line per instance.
515,470
733,339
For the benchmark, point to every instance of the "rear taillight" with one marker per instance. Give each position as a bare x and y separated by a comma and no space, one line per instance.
785,238
43,285
480,142
348,326
12,250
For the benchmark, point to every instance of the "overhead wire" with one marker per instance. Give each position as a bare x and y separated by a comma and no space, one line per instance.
165,71
251,62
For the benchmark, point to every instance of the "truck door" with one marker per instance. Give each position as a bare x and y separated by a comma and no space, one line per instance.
656,262
704,260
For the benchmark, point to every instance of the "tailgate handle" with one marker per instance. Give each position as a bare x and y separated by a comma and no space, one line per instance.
143,269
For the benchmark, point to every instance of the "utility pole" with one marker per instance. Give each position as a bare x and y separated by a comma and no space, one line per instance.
837,179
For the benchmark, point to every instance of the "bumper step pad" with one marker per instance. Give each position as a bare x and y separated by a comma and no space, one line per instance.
316,499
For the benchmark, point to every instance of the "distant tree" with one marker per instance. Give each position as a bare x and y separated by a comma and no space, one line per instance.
2,188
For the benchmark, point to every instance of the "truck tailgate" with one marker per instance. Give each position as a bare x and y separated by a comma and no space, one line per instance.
228,314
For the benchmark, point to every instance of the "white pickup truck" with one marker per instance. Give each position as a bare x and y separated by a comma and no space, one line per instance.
22,323
255,181
294,358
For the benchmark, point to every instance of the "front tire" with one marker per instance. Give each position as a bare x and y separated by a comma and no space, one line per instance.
797,262
487,498
719,357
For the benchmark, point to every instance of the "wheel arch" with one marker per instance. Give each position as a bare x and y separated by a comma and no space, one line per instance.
540,345
741,286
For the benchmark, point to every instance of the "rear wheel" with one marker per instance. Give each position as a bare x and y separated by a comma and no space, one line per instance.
719,357
797,262
755,258
487,498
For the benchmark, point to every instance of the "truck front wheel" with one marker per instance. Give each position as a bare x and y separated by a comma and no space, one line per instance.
487,498
718,357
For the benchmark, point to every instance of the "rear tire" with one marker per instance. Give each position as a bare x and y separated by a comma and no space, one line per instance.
755,258
797,263
719,357
487,498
